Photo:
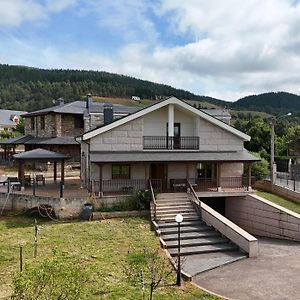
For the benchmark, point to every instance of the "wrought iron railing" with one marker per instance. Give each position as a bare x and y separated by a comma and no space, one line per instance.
124,186
171,143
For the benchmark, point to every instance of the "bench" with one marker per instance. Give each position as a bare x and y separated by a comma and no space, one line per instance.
178,184
40,178
13,182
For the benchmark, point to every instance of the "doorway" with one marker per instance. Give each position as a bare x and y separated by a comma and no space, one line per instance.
158,172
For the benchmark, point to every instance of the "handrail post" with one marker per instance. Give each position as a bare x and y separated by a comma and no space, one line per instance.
194,195
153,198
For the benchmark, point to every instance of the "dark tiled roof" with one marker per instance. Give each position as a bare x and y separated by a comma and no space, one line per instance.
230,156
30,140
78,107
40,154
5,116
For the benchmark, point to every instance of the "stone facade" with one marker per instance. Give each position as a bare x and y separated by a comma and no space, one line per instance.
56,125
127,137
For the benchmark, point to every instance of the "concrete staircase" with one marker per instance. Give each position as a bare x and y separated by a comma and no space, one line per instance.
202,247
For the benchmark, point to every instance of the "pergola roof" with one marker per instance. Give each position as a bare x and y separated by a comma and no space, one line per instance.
40,154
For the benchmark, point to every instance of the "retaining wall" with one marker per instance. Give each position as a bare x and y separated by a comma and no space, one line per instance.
64,208
236,234
261,217
279,190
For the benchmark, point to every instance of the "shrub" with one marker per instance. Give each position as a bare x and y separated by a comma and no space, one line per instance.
54,278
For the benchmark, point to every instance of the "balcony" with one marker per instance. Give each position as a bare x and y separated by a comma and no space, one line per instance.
170,143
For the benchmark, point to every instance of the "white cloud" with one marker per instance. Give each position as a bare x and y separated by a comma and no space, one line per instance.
13,13
237,48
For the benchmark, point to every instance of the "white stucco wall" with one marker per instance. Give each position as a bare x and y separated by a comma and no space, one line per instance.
155,123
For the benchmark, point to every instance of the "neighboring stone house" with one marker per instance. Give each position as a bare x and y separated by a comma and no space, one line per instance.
55,128
168,142
9,119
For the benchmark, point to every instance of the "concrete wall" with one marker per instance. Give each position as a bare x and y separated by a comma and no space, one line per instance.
279,190
236,234
64,208
127,137
263,218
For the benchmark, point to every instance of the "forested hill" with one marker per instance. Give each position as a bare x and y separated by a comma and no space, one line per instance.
25,88
279,102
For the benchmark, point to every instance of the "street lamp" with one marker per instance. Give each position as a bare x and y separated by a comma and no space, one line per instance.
178,219
272,161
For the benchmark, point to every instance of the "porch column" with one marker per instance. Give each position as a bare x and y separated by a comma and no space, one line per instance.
219,188
171,120
101,180
21,171
249,177
62,179
55,171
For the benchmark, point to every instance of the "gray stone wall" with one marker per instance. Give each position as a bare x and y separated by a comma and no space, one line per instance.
64,208
127,137
261,217
214,138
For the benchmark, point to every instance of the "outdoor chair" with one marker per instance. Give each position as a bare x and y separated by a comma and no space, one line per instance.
40,178
27,180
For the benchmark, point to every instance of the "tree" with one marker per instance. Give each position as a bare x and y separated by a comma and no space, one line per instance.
20,126
147,269
50,279
260,169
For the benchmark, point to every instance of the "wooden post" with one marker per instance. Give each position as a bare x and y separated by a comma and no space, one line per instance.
36,233
101,180
62,176
21,170
219,188
55,171
21,258
249,177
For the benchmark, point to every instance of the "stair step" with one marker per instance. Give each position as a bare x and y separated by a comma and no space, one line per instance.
191,235
174,209
184,223
174,205
197,242
203,249
170,219
185,229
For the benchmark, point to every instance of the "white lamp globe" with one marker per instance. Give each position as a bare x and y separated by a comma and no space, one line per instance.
179,218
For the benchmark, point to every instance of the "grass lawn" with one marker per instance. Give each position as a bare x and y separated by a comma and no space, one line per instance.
293,206
101,245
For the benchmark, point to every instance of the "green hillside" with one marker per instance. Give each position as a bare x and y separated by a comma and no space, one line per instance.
25,88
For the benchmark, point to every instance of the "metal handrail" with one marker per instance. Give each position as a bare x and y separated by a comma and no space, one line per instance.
153,198
195,198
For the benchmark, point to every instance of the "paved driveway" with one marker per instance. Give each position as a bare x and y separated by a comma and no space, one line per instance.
273,275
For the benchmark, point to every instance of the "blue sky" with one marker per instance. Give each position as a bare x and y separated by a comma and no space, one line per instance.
225,49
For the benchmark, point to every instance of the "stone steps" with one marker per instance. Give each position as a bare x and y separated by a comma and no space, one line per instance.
203,249
197,239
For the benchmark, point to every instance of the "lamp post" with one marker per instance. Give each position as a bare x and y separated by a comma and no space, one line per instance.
272,160
178,219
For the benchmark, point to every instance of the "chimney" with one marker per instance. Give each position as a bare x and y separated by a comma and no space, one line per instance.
108,112
89,101
59,101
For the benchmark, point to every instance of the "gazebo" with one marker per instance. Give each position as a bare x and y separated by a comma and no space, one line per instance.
41,155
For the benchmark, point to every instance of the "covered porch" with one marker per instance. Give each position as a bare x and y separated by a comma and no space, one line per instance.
122,176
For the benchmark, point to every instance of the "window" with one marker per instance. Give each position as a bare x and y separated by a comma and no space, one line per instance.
32,123
121,172
42,120
78,122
